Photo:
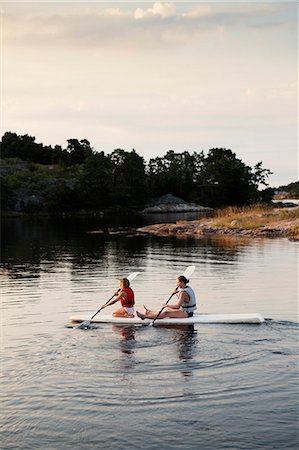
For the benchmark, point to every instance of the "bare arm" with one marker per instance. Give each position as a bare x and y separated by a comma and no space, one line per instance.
183,297
117,297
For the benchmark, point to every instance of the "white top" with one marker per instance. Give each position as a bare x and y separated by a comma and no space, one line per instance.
191,305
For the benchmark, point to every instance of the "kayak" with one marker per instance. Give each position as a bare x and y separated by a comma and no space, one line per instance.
197,318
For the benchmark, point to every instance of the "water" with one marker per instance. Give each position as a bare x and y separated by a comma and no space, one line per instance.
112,387
295,201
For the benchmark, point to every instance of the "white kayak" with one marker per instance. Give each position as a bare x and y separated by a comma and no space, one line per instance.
197,318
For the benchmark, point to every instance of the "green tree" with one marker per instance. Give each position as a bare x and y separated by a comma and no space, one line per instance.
94,184
157,170
78,150
10,145
62,198
175,173
25,148
128,178
226,180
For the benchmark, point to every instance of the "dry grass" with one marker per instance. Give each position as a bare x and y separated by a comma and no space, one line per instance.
253,217
257,220
289,214
243,210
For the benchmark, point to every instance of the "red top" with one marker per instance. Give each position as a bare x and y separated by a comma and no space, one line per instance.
129,301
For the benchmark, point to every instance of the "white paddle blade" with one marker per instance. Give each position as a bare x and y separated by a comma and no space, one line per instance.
85,324
132,276
189,271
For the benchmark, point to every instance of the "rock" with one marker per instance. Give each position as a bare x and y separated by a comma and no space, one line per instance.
235,223
170,204
280,228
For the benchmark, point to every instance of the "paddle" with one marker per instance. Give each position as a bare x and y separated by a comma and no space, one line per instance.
86,323
188,272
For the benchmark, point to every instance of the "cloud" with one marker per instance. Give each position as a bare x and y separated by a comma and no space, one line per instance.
159,25
158,9
199,12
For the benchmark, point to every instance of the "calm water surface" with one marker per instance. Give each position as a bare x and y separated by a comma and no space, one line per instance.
113,387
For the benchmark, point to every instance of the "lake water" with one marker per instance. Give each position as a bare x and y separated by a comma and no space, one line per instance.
205,387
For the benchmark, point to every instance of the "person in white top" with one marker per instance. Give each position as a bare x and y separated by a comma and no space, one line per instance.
184,307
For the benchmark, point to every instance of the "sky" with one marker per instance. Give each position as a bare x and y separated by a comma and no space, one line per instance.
155,76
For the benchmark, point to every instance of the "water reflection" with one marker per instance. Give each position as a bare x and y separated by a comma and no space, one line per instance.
40,245
185,340
186,346
127,341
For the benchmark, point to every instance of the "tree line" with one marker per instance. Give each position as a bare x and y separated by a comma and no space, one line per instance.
80,178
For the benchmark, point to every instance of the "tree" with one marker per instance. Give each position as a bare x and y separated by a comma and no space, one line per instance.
10,145
25,148
259,175
121,179
94,185
175,173
128,179
157,170
226,180
78,150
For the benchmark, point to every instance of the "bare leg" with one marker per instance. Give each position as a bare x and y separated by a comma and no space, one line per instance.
167,312
149,315
173,314
140,315
121,312
147,311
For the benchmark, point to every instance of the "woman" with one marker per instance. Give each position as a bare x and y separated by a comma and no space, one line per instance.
184,307
126,296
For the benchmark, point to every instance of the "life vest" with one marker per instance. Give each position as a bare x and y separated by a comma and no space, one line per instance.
129,301
191,305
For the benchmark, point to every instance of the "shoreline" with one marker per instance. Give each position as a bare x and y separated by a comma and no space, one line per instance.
269,224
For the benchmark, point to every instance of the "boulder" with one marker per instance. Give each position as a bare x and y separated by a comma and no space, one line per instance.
170,204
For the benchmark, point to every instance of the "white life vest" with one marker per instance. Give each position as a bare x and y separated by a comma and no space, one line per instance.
191,305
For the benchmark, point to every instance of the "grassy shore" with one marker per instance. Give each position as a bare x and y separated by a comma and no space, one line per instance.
256,221
254,217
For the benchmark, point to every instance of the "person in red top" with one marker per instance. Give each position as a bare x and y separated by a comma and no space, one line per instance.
126,296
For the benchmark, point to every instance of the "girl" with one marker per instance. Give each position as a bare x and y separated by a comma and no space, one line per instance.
184,307
126,296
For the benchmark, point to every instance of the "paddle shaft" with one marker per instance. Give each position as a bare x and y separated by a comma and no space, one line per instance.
188,272
157,316
130,278
103,305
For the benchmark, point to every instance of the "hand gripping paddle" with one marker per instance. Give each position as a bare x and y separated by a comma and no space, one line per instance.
86,324
187,274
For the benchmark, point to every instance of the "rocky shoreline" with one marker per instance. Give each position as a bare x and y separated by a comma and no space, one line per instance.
207,227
